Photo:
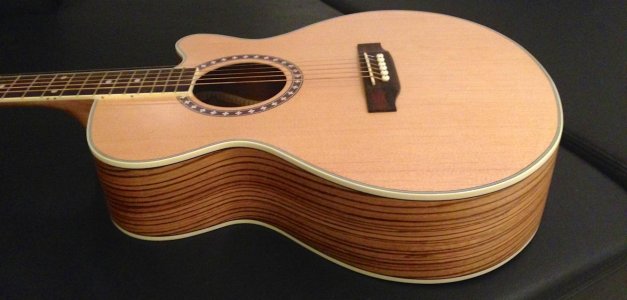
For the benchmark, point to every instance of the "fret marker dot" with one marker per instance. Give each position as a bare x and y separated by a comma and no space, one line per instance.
2,86
137,80
63,77
109,81
54,91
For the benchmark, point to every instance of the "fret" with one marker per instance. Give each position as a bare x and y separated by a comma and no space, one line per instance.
139,78
132,79
92,83
175,75
51,86
67,83
159,82
28,92
98,85
82,90
180,80
106,83
186,80
40,85
57,83
74,84
123,81
19,86
149,82
6,83
116,82
36,89
47,86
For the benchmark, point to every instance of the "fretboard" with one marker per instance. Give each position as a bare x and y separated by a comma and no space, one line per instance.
86,85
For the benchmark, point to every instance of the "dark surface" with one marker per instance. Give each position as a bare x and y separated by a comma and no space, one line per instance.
28,7
58,242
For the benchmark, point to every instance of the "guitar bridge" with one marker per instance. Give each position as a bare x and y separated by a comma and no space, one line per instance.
380,79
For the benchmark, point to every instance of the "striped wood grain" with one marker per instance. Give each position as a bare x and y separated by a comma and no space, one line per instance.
407,240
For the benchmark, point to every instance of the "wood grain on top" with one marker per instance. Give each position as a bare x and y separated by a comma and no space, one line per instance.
474,107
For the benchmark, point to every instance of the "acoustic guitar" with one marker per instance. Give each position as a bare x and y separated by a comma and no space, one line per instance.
408,146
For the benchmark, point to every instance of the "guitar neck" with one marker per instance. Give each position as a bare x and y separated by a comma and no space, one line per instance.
88,85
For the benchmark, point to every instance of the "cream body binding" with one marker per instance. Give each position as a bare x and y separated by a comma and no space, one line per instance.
476,112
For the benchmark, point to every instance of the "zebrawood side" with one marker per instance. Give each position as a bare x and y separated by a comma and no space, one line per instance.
415,240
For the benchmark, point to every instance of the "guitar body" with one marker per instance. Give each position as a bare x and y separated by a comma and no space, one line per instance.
448,184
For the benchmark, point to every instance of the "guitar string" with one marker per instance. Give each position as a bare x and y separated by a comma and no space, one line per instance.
129,80
223,70
162,67
153,81
184,77
93,89
206,77
199,79
45,78
226,70
254,65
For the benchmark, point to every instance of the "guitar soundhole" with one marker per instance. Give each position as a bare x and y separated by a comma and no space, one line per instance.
241,84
